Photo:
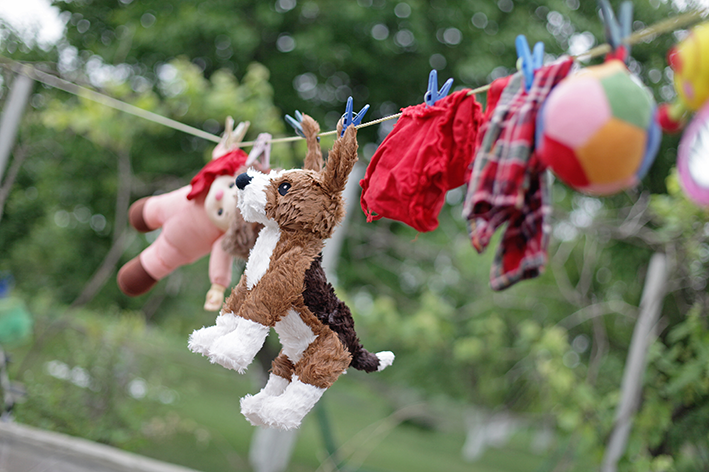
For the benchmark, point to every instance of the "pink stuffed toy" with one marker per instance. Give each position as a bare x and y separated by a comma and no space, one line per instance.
196,220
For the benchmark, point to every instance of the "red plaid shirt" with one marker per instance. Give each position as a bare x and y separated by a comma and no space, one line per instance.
508,182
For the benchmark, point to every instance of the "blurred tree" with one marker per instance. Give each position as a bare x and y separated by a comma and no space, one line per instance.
553,347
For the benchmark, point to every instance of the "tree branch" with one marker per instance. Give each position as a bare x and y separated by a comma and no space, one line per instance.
20,155
121,236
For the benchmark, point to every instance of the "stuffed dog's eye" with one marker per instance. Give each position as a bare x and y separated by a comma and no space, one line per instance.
220,211
231,185
283,188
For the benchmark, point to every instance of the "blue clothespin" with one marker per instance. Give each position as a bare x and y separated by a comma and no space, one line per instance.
432,95
352,119
296,123
617,31
531,61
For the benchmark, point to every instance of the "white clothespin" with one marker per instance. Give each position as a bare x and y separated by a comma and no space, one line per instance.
261,147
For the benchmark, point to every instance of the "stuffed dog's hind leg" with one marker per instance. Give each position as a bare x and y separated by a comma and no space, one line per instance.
322,363
278,380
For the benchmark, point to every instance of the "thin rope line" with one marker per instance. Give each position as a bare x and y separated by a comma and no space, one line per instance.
61,84
661,27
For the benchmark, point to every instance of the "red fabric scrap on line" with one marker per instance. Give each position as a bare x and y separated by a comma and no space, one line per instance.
426,154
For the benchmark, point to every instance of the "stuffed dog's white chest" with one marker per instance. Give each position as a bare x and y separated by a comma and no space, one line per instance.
260,256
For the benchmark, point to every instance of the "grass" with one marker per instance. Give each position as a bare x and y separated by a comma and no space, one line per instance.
204,429
366,428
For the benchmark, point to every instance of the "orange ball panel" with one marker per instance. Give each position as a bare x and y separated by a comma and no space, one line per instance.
614,153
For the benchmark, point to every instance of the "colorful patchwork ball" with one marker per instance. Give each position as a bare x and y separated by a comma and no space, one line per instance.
597,130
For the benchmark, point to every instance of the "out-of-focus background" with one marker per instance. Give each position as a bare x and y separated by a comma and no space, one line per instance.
520,380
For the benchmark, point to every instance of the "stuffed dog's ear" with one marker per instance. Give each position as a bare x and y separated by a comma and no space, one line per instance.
340,161
311,129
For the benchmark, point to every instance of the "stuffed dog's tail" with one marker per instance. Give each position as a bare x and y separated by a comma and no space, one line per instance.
368,362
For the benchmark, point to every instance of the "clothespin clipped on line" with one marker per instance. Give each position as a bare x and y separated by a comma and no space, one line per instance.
617,31
527,60
261,147
296,123
349,119
432,95
231,138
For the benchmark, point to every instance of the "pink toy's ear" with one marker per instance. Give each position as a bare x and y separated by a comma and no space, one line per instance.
313,160
340,161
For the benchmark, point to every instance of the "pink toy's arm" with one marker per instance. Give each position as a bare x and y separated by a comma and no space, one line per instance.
219,274
215,297
220,263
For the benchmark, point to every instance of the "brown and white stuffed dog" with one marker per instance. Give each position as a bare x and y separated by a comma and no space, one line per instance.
284,287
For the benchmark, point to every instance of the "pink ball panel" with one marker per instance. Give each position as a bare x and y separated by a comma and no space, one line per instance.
576,110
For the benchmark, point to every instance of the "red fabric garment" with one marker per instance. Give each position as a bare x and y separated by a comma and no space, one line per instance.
227,164
425,155
508,183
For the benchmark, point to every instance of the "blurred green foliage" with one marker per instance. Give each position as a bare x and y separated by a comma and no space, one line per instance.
550,350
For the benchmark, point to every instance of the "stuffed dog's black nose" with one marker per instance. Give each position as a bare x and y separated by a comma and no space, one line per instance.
242,180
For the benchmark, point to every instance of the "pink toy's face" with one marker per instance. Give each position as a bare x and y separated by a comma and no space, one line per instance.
220,203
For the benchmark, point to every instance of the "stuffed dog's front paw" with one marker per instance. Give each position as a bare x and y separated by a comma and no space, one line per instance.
201,340
237,349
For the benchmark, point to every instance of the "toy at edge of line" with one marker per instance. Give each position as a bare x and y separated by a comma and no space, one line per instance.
597,131
195,220
689,112
284,287
690,64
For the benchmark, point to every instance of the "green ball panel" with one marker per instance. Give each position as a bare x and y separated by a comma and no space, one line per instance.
629,101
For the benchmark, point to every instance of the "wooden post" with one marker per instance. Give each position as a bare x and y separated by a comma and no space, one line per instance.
12,115
643,335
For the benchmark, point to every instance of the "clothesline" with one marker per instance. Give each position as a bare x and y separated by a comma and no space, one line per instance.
665,26
74,89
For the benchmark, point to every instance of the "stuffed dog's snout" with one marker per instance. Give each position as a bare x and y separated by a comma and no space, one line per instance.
242,180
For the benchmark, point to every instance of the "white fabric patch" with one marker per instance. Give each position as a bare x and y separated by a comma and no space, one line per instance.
237,349
201,340
294,334
275,385
287,410
260,255
251,405
227,321
386,358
